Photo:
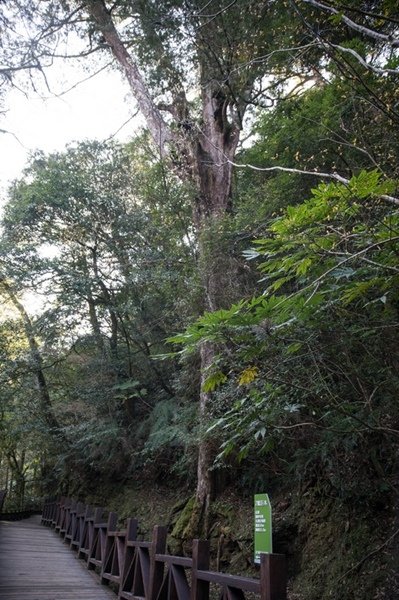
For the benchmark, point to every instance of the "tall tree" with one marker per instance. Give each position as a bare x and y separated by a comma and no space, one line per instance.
209,51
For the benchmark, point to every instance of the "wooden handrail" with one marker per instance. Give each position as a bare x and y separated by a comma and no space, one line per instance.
143,569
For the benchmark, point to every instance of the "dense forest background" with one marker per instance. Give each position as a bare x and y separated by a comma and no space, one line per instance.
211,310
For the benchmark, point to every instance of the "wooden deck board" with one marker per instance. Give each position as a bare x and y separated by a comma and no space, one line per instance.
35,564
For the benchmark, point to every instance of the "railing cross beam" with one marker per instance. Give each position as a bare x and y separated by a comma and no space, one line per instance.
143,570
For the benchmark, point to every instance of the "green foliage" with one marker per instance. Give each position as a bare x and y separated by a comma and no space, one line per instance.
108,233
329,309
170,438
213,381
321,242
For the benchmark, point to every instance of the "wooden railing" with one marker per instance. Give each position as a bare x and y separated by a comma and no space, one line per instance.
143,570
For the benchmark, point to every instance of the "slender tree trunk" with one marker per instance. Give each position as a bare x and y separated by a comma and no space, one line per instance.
36,362
108,302
94,322
95,325
18,470
7,479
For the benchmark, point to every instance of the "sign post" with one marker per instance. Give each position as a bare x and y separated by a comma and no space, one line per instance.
263,526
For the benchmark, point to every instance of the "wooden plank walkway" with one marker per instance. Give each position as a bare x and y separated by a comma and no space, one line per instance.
35,564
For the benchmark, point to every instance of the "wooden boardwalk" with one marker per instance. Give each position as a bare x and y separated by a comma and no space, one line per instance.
35,564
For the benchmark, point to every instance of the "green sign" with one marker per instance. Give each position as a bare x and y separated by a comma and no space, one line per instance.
263,525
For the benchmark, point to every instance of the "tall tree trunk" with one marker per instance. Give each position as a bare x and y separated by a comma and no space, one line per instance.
214,154
203,156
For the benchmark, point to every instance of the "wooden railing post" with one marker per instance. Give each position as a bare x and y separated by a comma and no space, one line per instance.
85,533
77,526
107,542
70,521
273,577
67,517
94,532
200,589
60,514
48,514
127,560
56,513
158,546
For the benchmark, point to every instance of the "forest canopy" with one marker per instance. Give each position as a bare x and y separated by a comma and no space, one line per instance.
216,300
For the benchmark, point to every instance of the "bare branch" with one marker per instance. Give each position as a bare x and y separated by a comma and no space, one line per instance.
78,83
366,13
364,63
264,58
381,37
334,176
123,125
13,135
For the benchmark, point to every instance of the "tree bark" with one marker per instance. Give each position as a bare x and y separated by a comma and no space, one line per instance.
18,470
204,156
158,129
215,151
